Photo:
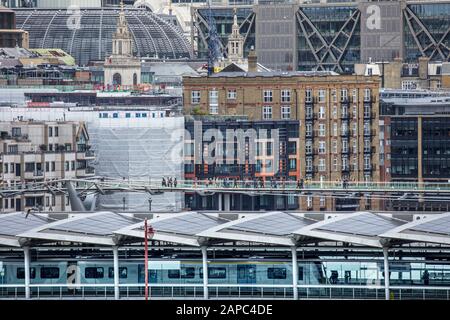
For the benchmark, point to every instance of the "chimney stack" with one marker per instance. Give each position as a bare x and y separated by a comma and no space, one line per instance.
252,61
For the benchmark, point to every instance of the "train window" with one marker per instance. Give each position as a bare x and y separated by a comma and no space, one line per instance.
174,274
184,273
93,273
215,273
300,273
49,273
123,272
276,273
21,273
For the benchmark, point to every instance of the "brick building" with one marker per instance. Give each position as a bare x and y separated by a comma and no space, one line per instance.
338,120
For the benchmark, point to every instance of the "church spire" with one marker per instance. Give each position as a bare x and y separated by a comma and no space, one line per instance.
122,41
235,41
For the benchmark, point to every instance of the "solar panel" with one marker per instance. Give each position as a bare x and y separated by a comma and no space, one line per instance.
187,224
103,224
14,224
367,224
277,224
438,226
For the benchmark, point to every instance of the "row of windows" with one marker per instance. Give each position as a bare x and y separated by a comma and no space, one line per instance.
286,96
115,115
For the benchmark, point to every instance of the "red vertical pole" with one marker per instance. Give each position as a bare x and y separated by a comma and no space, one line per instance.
146,259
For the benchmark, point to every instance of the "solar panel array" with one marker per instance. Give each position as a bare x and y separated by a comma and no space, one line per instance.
278,224
438,226
190,224
367,224
99,225
15,224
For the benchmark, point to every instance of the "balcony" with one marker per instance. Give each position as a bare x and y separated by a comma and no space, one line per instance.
345,116
309,116
368,168
345,100
345,133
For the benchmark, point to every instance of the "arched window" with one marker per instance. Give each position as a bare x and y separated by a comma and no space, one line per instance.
117,79
135,79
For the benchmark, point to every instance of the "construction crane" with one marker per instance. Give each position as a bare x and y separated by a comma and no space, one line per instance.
214,51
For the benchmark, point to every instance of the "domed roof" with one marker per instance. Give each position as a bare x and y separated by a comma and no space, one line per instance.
87,36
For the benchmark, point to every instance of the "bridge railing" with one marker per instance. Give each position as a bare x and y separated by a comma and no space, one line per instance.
222,291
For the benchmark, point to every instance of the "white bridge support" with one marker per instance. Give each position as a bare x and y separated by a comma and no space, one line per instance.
219,198
116,272
26,253
386,272
294,272
205,272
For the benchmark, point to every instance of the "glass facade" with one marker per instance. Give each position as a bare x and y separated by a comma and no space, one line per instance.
329,21
436,147
224,23
435,17
404,149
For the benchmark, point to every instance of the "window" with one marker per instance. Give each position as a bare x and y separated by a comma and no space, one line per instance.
321,130
344,146
309,164
409,85
115,115
355,146
127,115
344,163
367,95
309,112
286,95
344,111
309,130
292,164
138,115
322,165
334,146
355,111
334,111
367,164
29,166
214,102
335,129
93,273
16,132
73,165
269,149
195,97
308,95
56,131
366,111
215,273
322,202
355,129
276,273
6,168
355,95
20,273
308,146
50,131
322,113
344,95
184,273
47,166
285,112
292,147
232,94
53,166
67,165
322,95
123,272
49,272
335,164
322,147
309,202
267,112
267,96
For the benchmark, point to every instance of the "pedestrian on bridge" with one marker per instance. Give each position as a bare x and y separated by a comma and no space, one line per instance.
175,182
300,184
163,183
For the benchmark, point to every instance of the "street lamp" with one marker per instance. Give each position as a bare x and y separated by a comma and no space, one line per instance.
148,232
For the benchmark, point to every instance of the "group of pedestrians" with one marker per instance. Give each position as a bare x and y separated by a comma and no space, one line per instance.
169,182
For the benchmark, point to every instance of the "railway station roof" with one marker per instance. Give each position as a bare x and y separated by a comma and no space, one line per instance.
271,228
13,224
435,229
197,229
93,228
183,228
